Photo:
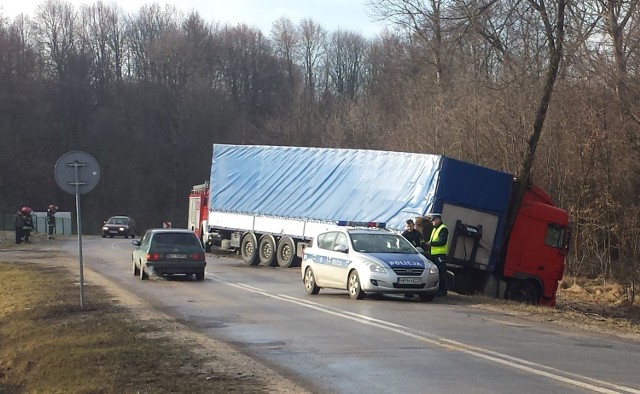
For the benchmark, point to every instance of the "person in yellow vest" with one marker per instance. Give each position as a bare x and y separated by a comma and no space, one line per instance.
438,248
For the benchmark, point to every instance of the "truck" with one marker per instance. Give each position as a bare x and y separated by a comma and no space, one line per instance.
268,202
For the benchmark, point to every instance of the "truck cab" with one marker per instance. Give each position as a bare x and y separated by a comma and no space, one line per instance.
537,248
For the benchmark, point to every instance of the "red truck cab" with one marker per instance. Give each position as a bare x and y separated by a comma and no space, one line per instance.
198,209
538,245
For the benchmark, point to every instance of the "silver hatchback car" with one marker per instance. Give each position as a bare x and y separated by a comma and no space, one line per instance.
362,261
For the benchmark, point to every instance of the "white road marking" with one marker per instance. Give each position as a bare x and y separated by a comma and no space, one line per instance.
584,382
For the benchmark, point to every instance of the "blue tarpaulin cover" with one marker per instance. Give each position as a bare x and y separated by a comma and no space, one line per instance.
345,184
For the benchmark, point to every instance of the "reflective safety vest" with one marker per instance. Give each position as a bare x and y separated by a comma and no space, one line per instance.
438,250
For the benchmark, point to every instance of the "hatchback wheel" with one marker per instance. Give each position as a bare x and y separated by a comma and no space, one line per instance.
143,275
353,285
310,285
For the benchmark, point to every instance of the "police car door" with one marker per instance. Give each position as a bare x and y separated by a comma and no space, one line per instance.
338,263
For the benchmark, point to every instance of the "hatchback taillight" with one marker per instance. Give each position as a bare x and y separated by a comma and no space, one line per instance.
153,256
197,256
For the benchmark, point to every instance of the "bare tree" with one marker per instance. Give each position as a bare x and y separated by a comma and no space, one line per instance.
56,33
426,21
346,57
313,53
286,42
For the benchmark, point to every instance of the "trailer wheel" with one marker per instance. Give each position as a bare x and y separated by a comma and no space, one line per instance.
267,250
249,249
286,253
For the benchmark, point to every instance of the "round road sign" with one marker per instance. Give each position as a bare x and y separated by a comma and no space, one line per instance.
77,168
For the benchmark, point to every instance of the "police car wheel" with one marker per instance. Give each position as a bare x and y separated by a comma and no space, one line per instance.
426,297
353,285
310,285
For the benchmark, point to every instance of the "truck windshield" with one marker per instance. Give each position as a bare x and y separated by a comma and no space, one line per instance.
381,243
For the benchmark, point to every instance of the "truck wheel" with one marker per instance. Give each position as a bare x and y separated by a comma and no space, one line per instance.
353,285
205,245
310,285
267,250
286,253
249,249
523,291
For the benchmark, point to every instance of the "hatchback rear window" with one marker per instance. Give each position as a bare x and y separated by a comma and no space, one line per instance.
175,239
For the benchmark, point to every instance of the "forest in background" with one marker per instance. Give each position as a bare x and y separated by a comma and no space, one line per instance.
148,93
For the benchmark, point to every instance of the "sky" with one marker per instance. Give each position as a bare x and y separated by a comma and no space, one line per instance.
352,15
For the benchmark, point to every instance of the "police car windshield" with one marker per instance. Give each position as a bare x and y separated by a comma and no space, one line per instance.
381,243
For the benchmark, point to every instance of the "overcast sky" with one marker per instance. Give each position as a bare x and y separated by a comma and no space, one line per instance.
331,14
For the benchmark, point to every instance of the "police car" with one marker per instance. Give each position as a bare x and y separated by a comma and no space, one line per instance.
367,260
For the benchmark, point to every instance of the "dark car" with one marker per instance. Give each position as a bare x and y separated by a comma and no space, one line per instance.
119,225
168,251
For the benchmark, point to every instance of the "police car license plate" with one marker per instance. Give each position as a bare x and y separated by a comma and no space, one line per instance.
176,256
409,281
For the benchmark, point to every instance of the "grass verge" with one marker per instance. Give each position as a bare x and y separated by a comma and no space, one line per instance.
48,344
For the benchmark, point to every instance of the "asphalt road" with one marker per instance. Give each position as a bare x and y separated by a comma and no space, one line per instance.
331,343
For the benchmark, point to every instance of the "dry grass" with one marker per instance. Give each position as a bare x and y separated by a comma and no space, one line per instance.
48,344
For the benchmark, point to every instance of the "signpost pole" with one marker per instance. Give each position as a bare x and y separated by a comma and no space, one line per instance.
77,172
79,224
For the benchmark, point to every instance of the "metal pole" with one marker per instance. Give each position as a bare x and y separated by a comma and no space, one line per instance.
77,181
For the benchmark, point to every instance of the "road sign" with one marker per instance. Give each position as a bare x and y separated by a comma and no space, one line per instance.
79,169
77,173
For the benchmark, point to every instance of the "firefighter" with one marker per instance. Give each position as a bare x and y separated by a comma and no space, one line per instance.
438,248
51,220
18,223
28,224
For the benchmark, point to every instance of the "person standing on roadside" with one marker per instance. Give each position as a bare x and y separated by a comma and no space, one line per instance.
28,224
438,248
18,223
51,220
412,235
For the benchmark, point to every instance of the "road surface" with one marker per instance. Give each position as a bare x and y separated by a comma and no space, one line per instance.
330,343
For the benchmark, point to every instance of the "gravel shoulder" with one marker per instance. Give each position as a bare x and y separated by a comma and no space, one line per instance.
232,370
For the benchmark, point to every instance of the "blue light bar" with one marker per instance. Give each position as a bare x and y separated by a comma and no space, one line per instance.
349,223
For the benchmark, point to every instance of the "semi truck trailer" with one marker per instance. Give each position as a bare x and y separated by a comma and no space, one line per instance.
268,202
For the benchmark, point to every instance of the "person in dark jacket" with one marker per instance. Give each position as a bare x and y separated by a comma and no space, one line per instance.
18,223
438,249
28,224
51,220
412,235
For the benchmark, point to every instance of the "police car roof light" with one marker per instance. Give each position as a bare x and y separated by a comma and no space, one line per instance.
361,224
